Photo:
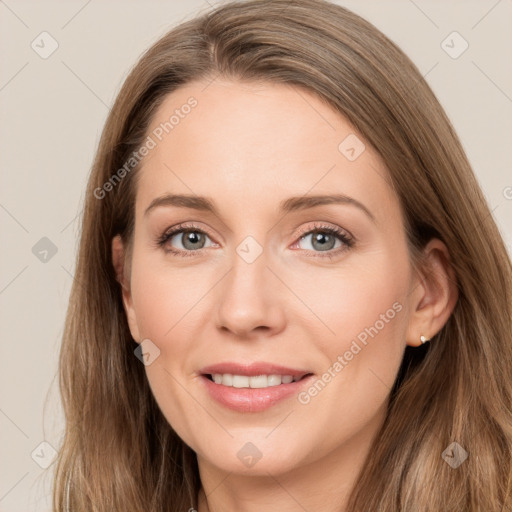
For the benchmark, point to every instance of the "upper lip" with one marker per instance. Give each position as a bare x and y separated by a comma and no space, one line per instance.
252,369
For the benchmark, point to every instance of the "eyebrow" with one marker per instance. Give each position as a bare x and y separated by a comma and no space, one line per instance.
287,206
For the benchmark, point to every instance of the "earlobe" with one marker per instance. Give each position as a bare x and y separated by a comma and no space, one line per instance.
436,294
122,276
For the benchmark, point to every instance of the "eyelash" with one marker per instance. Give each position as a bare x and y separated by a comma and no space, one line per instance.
343,236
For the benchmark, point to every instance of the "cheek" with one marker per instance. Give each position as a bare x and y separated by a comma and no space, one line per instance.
167,304
165,297
363,299
362,318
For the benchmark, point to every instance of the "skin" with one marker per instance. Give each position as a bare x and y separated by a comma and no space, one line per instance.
248,147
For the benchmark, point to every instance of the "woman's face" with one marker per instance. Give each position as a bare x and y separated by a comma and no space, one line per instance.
255,283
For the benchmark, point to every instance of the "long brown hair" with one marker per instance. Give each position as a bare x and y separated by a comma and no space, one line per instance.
119,452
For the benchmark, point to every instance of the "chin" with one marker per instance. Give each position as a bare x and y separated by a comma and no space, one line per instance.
255,455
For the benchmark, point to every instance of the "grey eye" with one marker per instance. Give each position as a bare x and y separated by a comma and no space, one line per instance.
321,241
190,240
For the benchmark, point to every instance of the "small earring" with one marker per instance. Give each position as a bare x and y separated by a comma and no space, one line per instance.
423,339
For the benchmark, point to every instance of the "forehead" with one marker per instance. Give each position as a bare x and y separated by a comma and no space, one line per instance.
256,144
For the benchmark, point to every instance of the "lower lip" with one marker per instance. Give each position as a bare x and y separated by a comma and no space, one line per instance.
253,399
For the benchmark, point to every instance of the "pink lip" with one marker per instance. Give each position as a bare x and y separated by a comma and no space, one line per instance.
252,399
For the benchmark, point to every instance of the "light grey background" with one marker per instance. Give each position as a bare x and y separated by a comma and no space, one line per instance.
53,110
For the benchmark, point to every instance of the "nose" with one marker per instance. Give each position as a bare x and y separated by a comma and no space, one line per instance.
251,300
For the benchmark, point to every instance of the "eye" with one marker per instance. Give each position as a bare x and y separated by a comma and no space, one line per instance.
190,237
327,239
322,239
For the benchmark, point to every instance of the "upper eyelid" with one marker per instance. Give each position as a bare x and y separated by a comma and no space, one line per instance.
319,225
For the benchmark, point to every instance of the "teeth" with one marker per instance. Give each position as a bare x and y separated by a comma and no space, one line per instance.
258,381
261,381
240,381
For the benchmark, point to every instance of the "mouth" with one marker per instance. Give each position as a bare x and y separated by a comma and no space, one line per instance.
254,387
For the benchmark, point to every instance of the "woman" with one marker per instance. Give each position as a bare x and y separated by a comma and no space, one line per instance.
290,293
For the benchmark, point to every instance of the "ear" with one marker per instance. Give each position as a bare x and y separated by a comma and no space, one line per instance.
122,269
434,294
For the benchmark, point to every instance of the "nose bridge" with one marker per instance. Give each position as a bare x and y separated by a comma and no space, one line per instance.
248,297
249,268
